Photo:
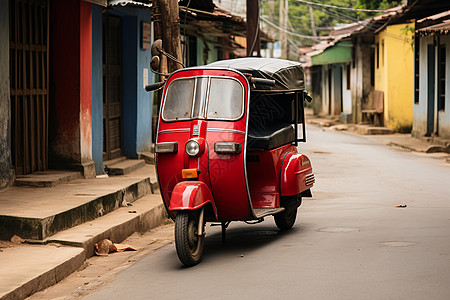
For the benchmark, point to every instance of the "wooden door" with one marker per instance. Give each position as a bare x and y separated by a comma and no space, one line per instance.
112,87
29,71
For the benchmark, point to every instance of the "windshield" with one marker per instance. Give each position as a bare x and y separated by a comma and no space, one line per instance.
212,98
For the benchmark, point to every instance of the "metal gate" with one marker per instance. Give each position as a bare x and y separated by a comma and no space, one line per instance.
29,35
112,87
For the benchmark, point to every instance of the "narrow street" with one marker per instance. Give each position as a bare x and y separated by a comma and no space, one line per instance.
351,240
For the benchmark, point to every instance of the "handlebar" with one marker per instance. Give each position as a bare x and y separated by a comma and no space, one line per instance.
262,81
308,97
154,86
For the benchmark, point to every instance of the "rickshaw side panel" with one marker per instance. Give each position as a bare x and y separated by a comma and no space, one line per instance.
296,174
263,171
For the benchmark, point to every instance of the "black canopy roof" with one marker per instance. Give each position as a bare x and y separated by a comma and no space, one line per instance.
288,75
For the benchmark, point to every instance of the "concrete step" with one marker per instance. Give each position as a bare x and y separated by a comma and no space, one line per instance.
144,214
372,130
37,213
148,157
27,269
49,178
125,167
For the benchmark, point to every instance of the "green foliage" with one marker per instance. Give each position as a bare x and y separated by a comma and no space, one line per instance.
408,31
300,21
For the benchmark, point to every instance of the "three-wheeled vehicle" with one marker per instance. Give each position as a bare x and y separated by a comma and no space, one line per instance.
226,147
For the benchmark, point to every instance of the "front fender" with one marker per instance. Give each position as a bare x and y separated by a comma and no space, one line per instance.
191,195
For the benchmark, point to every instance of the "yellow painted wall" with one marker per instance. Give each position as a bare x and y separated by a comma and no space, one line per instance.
394,76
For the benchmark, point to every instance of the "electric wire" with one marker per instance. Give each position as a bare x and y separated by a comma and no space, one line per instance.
345,8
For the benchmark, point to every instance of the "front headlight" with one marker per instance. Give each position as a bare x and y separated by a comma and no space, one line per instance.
192,148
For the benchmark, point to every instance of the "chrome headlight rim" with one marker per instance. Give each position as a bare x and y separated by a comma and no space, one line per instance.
192,148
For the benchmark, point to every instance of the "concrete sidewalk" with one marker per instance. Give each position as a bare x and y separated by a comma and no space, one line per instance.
111,208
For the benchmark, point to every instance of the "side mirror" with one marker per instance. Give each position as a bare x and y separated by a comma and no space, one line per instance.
156,47
154,64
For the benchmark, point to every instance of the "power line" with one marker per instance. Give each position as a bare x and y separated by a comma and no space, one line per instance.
317,38
345,8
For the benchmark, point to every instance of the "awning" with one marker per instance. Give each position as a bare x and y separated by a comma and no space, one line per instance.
339,53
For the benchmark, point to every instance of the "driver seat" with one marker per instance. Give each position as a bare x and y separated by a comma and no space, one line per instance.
270,137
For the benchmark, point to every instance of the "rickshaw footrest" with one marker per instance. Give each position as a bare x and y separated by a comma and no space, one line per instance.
262,212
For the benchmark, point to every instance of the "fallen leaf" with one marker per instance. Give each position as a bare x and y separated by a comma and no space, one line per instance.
17,240
123,247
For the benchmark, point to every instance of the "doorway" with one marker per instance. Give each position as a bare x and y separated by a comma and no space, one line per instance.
112,87
29,76
431,80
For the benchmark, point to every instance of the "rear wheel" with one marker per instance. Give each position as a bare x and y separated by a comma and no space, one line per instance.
187,241
286,219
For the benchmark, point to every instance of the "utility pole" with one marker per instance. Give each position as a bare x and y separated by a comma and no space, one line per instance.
253,39
167,28
271,17
313,27
283,25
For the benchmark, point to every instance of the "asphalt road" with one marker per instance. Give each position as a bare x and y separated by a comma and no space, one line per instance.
351,241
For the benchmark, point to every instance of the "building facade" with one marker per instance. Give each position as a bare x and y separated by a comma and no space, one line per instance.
72,85
393,68
431,86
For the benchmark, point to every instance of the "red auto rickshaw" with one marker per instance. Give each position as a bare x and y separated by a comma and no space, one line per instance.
226,147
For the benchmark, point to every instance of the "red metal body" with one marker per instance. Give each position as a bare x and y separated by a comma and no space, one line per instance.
233,185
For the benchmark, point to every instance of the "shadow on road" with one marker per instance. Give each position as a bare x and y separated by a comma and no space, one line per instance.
243,239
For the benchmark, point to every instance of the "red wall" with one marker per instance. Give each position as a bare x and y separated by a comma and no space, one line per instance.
86,81
71,80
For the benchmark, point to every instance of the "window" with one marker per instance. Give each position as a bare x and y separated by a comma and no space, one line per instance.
348,76
214,98
441,75
178,103
225,99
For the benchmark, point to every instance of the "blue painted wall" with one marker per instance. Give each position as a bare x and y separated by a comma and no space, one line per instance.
137,103
97,89
130,82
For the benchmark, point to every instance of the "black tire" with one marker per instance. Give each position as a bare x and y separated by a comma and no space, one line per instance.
189,245
286,219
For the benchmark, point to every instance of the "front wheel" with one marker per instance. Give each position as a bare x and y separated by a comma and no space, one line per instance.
187,241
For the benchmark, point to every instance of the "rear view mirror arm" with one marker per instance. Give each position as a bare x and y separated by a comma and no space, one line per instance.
154,86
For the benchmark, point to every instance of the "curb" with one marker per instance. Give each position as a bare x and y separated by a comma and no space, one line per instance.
47,279
117,226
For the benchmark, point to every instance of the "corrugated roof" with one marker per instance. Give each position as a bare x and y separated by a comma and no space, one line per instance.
146,4
442,29
339,53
